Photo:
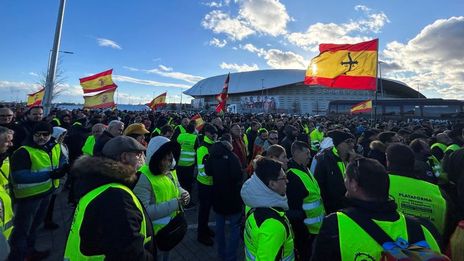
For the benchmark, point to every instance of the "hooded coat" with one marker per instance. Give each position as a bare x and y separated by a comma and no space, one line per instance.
111,221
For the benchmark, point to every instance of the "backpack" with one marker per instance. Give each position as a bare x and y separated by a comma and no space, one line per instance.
400,249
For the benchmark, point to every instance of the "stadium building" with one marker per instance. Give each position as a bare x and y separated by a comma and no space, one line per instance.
283,91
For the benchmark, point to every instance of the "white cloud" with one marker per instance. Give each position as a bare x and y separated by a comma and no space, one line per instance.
218,43
265,16
108,43
165,68
132,69
220,22
217,4
350,32
278,59
33,74
126,98
122,78
168,72
238,67
433,60
268,17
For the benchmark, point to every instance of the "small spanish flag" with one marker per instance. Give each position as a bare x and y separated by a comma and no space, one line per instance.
348,66
199,122
98,82
157,102
102,100
365,106
35,99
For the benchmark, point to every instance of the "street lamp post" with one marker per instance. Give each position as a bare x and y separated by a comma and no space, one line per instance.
47,101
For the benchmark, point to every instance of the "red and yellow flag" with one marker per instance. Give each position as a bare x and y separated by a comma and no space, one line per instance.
222,97
199,122
365,106
348,66
157,102
98,82
102,100
35,99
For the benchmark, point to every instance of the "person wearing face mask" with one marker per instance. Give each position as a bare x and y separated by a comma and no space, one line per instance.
330,169
205,182
158,187
268,234
348,235
304,199
33,168
110,222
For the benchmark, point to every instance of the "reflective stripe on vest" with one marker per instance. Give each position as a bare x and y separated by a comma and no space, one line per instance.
355,242
165,189
340,164
419,198
187,153
41,161
89,144
202,152
312,204
5,174
73,244
6,214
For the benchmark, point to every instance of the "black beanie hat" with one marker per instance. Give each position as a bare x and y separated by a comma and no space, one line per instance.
339,136
42,126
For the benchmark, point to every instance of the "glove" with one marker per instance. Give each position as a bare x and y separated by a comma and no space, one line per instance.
60,172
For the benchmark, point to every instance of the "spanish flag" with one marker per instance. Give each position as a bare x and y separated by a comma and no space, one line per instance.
102,100
365,106
98,82
157,102
199,122
35,99
222,97
348,66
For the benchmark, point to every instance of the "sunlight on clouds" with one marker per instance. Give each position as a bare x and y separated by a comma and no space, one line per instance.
238,67
108,43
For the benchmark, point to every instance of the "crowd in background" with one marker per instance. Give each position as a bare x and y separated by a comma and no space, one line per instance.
292,187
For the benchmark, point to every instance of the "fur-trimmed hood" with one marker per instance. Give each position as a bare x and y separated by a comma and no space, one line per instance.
378,145
92,172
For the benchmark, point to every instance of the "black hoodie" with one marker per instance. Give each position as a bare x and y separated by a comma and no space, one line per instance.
111,222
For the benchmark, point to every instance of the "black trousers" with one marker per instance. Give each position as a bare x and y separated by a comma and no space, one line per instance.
205,198
185,176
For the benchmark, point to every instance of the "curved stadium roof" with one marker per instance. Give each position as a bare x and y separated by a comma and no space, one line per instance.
243,82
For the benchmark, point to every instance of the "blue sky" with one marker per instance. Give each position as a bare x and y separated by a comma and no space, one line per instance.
157,46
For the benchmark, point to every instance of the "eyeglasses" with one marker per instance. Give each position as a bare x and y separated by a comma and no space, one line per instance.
38,134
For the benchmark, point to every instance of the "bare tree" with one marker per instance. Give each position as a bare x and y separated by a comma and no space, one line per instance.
58,84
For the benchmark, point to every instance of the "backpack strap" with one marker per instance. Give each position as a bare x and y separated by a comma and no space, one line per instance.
415,232
369,226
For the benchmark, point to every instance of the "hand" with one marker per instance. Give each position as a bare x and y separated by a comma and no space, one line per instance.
185,198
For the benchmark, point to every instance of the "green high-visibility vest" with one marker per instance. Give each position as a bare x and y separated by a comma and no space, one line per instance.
73,245
441,146
181,129
269,237
41,162
340,164
316,138
187,145
435,164
89,144
312,204
5,174
452,147
355,242
6,217
202,151
57,121
419,198
156,132
165,189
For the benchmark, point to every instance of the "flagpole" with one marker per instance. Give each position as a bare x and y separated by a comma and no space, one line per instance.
376,82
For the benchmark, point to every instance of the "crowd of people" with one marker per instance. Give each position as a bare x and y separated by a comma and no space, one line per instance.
291,187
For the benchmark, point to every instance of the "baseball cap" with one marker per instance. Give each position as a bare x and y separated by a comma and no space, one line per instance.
117,145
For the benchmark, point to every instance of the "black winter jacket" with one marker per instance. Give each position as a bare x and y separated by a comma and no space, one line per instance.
226,170
112,221
100,142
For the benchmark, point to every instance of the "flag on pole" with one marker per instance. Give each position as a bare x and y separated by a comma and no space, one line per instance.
199,123
222,97
348,66
102,100
35,99
365,106
157,102
98,82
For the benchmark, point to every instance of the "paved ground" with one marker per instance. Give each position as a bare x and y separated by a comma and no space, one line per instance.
189,249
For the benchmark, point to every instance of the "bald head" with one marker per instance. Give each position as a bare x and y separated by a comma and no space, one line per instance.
6,115
98,129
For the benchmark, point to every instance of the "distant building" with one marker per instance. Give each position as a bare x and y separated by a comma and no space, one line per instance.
284,91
